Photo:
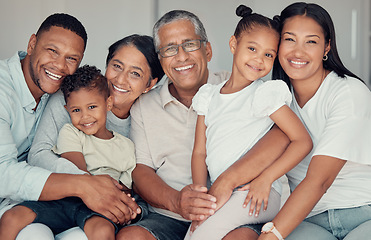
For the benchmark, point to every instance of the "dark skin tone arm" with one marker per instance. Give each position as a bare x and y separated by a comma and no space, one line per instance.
247,168
193,202
102,194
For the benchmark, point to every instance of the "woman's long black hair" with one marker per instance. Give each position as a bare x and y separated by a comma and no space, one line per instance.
323,18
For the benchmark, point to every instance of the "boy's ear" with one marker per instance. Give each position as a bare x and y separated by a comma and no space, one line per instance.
233,44
109,102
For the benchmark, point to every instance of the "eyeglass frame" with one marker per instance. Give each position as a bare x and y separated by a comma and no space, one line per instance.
180,45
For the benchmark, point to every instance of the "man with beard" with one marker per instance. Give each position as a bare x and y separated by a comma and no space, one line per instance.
26,81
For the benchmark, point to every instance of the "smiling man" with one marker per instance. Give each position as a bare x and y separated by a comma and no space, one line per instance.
26,81
163,128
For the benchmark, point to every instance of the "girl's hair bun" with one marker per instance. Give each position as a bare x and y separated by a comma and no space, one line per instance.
243,11
277,19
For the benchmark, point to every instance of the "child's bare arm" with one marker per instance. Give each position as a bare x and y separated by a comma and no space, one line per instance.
76,158
198,165
300,145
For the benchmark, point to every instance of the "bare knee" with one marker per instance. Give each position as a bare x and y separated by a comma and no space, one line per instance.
99,228
241,234
134,233
18,216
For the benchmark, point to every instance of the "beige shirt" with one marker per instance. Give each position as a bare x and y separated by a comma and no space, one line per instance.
114,157
163,131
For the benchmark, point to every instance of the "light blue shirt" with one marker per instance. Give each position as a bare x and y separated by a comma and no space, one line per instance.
18,122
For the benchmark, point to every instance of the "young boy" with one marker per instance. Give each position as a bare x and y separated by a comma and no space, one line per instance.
91,147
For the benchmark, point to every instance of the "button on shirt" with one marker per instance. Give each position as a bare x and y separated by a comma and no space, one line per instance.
18,122
163,131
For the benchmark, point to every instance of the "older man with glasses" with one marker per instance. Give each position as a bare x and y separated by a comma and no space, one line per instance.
163,128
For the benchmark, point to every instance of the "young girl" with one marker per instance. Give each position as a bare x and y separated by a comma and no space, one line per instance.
234,115
92,148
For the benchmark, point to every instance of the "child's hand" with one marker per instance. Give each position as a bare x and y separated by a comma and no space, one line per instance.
258,194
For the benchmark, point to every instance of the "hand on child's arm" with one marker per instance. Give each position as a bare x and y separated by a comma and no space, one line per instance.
258,194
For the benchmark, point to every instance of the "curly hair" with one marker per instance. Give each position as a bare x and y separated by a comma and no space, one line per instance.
86,77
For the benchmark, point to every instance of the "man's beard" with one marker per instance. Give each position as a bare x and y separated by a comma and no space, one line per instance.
33,77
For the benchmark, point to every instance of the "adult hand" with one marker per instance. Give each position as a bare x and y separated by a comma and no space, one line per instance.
194,203
103,195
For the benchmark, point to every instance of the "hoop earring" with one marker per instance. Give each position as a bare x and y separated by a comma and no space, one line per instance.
325,58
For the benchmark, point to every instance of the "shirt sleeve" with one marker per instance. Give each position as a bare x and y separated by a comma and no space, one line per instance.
201,100
269,97
52,120
125,177
69,140
347,133
18,180
138,136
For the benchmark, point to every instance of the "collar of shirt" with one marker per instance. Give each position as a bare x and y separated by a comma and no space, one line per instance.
28,101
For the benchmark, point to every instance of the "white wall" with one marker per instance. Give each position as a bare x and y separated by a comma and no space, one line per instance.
107,21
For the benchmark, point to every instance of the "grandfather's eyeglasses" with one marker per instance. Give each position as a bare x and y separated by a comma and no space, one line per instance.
173,50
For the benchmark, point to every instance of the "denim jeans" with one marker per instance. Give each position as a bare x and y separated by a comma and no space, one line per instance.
334,224
163,227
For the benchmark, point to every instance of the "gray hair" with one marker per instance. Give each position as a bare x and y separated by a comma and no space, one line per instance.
174,16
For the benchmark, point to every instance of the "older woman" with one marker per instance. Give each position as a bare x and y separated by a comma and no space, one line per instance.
132,68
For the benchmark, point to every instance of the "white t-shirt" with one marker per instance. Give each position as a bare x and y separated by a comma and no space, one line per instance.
163,131
338,118
236,121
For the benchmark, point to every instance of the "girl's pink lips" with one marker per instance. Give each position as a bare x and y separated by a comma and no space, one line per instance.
254,68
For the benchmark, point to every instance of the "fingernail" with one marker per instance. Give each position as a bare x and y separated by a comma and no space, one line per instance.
244,206
138,210
250,213
211,212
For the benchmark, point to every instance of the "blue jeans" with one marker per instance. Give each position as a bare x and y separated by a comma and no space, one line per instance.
163,227
334,224
63,214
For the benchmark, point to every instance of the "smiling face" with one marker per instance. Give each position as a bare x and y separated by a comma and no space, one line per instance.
88,111
128,74
187,70
52,55
254,53
302,49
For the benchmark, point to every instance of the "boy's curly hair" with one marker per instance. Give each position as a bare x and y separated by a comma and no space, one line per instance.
87,77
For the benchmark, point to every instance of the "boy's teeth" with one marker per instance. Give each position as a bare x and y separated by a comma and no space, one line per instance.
52,75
